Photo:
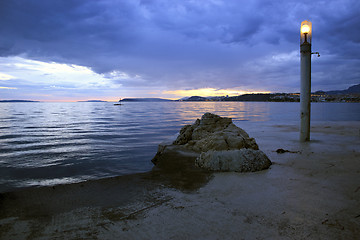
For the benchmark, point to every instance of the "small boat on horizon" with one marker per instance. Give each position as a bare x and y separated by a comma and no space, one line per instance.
119,102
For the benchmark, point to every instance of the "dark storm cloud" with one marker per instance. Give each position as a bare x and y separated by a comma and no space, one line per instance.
184,44
64,28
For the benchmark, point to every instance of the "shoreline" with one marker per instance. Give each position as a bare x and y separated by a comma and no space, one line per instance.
310,193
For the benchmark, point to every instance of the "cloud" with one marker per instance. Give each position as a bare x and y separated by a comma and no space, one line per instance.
52,73
7,88
48,78
172,45
55,81
5,77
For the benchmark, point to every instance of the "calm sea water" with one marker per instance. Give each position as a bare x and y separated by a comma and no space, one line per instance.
54,143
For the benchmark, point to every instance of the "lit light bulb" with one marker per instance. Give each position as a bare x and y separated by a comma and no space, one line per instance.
305,29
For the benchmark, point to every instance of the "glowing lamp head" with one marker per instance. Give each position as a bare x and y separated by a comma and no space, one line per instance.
305,29
305,32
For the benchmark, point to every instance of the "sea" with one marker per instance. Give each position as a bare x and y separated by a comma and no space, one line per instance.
45,144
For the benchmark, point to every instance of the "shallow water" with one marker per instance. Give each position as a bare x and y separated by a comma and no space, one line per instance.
54,143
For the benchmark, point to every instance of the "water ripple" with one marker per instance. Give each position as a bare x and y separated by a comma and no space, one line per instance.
55,143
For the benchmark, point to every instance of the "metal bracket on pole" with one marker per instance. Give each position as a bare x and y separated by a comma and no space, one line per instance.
316,53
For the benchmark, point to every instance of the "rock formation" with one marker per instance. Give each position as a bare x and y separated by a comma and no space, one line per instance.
213,132
213,143
242,160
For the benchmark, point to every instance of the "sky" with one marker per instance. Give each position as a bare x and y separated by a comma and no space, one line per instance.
109,49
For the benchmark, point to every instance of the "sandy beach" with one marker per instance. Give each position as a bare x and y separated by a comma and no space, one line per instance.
310,192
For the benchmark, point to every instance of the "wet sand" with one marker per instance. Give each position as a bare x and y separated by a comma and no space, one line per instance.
312,192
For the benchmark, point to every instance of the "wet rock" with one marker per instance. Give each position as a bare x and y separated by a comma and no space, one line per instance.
281,151
211,135
243,160
213,132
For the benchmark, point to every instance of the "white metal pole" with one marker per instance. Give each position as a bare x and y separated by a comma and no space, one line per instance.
305,91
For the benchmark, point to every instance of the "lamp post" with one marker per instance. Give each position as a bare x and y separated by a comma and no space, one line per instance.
305,90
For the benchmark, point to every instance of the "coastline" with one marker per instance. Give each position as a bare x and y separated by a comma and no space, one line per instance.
312,193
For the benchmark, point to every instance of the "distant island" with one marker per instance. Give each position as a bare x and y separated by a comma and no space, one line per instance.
146,100
92,101
5,101
352,94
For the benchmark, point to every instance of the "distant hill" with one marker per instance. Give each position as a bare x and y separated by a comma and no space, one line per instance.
350,90
93,101
354,89
195,98
260,97
145,100
17,101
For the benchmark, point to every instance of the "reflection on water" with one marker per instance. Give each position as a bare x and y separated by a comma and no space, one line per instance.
50,143
238,111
